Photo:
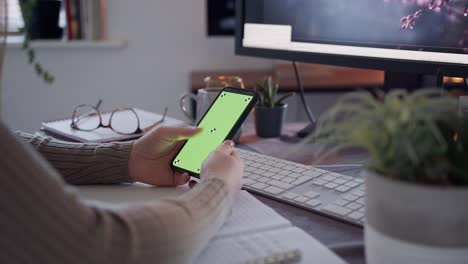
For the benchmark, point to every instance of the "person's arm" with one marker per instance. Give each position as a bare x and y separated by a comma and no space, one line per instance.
84,163
43,220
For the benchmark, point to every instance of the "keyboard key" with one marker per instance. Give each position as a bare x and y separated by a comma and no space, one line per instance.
339,181
255,165
312,194
337,210
353,206
355,216
263,179
246,181
301,199
254,176
279,165
259,171
264,167
328,177
259,186
350,197
330,185
273,190
288,179
352,184
362,209
359,193
290,195
281,184
289,167
284,172
319,182
295,175
343,188
301,180
313,203
341,202
358,180
311,173
268,174
277,177
299,170
344,177
274,170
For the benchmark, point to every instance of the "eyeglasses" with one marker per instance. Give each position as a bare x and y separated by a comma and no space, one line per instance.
122,120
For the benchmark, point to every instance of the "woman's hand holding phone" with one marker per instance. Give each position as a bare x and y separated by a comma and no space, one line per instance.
224,163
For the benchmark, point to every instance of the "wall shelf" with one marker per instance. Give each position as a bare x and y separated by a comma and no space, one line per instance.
17,42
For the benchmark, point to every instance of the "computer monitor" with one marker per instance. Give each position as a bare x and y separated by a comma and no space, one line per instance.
406,38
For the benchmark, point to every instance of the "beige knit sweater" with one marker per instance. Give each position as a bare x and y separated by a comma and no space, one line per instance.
42,220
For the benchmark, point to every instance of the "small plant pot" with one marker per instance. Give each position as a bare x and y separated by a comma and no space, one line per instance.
269,121
415,223
44,21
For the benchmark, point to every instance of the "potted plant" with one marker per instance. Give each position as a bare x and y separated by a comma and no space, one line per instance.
270,111
40,22
417,174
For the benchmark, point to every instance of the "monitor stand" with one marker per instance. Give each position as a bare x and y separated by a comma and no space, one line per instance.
394,80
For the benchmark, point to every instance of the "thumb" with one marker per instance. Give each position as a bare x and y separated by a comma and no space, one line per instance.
177,133
227,147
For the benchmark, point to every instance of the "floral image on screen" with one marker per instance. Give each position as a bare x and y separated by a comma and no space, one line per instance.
424,25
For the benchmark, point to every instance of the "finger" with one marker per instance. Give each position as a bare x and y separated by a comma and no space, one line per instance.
181,179
227,147
177,133
235,155
192,184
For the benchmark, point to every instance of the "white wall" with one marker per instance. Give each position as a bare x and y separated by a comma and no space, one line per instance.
166,40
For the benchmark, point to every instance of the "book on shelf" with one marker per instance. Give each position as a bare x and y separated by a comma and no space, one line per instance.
86,19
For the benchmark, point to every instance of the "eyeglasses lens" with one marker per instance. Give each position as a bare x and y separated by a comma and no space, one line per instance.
124,121
86,118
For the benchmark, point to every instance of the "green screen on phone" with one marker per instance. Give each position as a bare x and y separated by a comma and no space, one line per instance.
215,125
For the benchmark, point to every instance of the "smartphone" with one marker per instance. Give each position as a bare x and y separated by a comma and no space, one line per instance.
222,120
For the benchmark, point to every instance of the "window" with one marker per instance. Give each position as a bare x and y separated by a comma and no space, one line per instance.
15,18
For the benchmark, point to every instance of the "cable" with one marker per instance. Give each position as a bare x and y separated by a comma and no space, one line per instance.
309,113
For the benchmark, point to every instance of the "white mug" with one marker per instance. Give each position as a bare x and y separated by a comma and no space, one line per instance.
203,99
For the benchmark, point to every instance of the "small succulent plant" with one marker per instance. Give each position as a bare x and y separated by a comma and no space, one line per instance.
417,137
267,91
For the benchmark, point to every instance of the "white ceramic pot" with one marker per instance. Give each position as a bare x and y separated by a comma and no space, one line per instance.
414,223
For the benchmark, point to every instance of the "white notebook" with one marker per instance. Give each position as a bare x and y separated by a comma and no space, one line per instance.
62,127
253,230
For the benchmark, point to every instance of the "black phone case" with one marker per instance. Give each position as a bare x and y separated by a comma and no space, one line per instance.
235,127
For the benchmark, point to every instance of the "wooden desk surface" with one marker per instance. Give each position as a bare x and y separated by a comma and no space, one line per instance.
313,76
327,230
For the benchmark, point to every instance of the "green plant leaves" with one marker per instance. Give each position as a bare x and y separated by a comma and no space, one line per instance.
27,8
416,137
267,91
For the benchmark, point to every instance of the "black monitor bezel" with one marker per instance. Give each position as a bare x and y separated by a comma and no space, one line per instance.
394,65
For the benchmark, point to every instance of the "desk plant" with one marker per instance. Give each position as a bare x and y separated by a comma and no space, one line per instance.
417,174
270,110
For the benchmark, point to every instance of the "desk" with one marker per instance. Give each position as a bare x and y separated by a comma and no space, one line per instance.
328,231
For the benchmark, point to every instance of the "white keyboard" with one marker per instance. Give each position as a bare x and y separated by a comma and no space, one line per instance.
317,190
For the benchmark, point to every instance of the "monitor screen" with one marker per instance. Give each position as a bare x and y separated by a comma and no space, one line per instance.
434,31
